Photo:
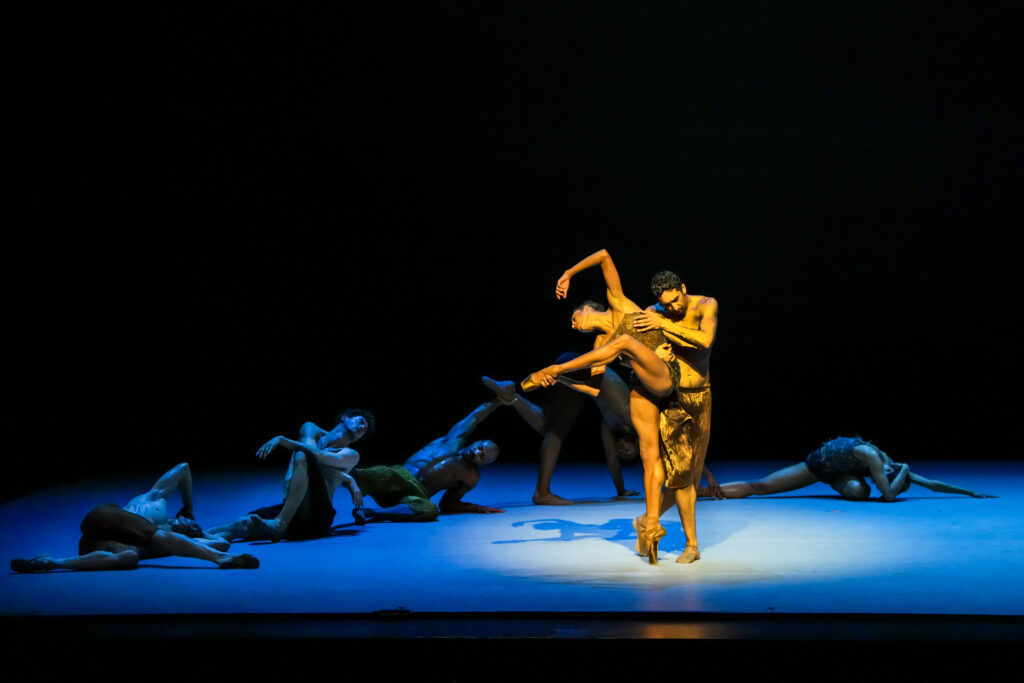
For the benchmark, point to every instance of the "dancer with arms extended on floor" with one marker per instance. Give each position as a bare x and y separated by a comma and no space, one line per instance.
653,379
844,463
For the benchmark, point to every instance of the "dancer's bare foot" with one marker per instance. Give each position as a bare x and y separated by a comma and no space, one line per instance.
242,561
689,556
626,494
550,499
504,391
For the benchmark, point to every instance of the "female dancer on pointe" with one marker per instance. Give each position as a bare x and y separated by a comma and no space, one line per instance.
654,377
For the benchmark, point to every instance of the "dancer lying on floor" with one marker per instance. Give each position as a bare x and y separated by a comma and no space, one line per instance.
118,537
842,463
555,420
320,464
446,464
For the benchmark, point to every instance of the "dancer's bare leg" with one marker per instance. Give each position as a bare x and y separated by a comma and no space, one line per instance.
395,513
645,422
95,561
172,543
686,499
254,527
787,479
550,445
297,487
651,370
611,457
550,448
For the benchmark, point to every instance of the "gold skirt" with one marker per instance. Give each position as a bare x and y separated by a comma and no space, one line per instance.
685,427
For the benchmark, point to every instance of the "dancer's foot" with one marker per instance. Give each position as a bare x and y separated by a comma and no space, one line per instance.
626,494
359,514
689,556
640,527
504,391
43,563
550,499
544,377
242,561
531,383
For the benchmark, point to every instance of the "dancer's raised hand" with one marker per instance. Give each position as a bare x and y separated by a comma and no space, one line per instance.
562,286
266,448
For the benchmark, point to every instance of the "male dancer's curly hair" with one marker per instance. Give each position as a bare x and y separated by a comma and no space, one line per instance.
371,422
664,281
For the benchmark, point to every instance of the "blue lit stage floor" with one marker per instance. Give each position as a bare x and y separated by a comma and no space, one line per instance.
807,552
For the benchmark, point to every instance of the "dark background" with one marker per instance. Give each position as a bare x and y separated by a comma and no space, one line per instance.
228,220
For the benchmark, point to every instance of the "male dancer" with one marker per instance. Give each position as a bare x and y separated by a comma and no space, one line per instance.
445,464
610,394
690,322
117,538
320,463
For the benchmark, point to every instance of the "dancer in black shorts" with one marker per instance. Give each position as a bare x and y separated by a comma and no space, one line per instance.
116,537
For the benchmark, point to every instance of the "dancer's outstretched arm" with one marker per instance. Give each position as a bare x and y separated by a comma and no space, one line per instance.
943,487
617,300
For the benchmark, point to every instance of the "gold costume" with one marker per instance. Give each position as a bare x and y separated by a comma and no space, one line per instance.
685,427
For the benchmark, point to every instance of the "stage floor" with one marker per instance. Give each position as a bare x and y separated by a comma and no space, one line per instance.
807,552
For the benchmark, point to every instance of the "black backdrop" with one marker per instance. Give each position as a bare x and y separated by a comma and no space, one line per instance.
228,220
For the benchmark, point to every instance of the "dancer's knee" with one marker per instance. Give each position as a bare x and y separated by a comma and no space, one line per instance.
126,559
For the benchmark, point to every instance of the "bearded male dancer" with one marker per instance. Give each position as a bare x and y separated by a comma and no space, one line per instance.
690,323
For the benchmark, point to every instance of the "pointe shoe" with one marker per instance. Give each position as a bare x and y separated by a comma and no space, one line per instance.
640,527
36,564
530,384
652,537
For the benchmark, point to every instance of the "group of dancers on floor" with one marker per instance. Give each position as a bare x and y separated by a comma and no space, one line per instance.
662,411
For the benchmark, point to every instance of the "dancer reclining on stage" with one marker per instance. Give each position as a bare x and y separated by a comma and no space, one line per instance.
117,538
320,463
445,464
842,463
553,422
